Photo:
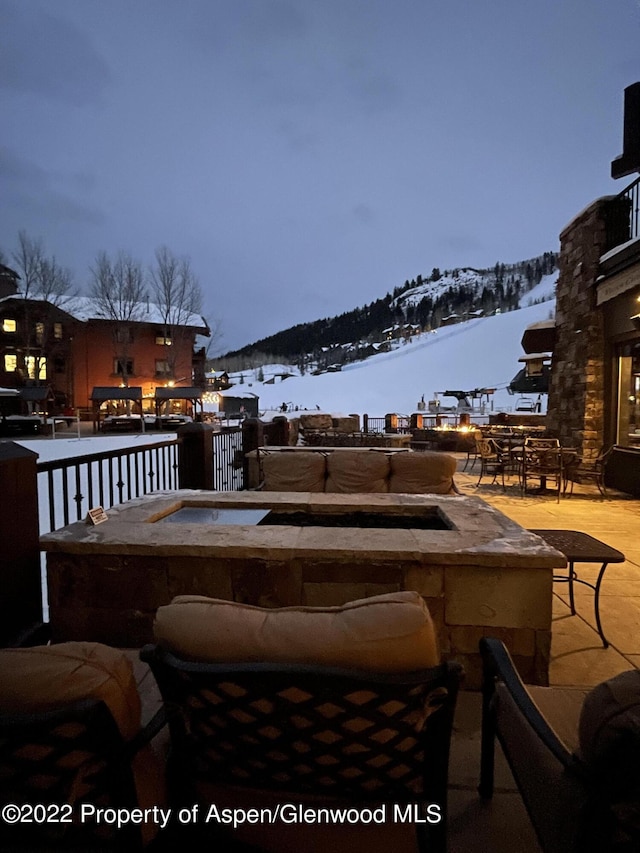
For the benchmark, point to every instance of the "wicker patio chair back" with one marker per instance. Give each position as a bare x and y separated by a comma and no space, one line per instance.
308,730
61,759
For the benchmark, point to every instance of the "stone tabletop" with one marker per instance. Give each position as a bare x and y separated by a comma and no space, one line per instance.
480,534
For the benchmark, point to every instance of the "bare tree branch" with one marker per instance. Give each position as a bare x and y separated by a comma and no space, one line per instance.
176,291
120,291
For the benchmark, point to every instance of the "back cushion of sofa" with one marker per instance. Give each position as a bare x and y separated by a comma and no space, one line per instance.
425,472
293,471
384,633
318,421
357,471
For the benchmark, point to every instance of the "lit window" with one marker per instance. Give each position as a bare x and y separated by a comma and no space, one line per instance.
163,341
10,363
628,432
8,325
57,331
34,364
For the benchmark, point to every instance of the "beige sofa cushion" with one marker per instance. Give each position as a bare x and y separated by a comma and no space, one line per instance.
422,473
357,471
346,423
43,678
385,633
319,421
291,471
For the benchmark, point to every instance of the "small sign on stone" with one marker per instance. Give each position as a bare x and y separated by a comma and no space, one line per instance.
96,515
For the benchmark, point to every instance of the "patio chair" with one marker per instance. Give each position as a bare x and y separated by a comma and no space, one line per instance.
581,789
542,460
70,736
274,733
470,446
492,461
580,470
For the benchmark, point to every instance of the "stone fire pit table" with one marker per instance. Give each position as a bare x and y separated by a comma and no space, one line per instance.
480,573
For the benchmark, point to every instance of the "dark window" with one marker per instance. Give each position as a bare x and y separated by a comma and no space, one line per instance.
123,366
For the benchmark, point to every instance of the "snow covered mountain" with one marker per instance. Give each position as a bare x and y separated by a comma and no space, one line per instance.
482,352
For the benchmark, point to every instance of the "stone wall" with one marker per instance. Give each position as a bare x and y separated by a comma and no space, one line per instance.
485,576
576,394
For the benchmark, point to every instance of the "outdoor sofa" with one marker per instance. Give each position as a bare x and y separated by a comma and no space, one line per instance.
366,470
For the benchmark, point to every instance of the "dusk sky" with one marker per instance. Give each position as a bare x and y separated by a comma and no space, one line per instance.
307,155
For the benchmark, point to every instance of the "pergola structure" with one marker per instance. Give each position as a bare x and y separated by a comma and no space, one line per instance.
115,394
163,396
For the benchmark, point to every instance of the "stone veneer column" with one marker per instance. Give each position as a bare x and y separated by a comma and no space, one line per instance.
576,394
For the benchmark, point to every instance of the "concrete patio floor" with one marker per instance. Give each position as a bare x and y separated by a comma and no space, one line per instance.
577,654
578,657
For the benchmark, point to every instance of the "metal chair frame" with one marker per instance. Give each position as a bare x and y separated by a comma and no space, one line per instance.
566,802
298,730
541,459
64,757
594,471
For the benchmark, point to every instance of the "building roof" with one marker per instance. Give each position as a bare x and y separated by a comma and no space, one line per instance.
237,394
102,393
185,393
36,393
86,308
539,337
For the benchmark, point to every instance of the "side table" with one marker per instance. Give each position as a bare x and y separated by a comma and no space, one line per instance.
581,548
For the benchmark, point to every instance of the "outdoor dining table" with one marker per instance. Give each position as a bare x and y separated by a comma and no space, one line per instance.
579,547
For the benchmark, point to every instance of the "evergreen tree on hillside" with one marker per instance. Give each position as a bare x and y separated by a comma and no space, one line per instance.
502,287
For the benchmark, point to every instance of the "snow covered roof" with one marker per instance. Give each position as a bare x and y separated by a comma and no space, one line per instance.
102,393
234,392
86,308
185,392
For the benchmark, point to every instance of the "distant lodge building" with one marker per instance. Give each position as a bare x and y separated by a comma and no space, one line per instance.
72,349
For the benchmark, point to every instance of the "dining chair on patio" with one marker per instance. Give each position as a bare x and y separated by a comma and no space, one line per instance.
582,470
469,445
259,721
493,461
542,460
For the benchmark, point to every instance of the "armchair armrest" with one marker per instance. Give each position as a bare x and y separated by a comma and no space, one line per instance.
556,787
497,666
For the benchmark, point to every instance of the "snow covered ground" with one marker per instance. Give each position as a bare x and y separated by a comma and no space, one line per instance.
480,353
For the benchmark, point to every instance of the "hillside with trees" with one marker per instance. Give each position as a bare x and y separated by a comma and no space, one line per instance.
420,304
